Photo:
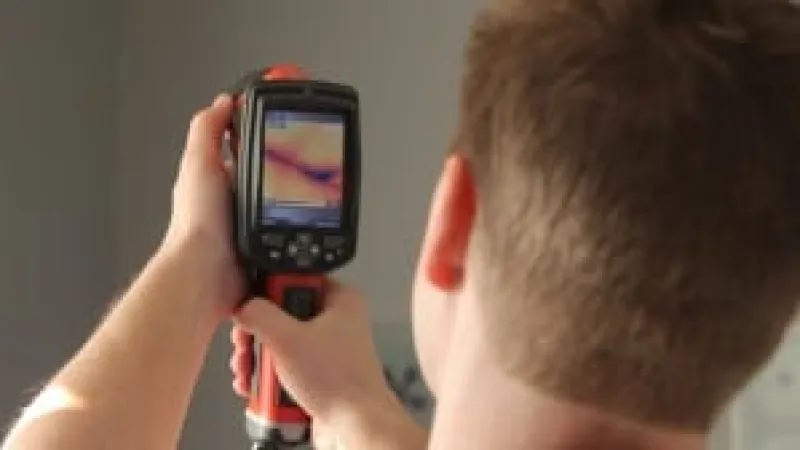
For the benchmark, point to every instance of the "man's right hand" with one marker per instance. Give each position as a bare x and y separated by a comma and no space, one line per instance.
331,368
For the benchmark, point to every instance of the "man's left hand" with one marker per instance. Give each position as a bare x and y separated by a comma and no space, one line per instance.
201,222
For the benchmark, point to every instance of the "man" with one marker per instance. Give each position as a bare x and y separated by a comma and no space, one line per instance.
613,249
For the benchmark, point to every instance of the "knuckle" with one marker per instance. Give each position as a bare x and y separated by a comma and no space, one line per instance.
200,119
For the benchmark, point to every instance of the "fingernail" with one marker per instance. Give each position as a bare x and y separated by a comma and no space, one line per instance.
221,99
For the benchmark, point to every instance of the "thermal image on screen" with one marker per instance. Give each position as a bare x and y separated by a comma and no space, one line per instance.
303,164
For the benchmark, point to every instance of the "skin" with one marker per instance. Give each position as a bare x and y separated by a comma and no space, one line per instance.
129,386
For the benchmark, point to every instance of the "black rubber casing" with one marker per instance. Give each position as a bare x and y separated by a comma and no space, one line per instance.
265,249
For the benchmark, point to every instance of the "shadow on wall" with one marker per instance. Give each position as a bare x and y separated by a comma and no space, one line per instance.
396,347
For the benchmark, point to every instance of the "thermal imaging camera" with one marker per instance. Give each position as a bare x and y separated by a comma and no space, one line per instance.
298,156
298,175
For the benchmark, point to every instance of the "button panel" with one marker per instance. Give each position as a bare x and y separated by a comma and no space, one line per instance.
273,239
304,250
334,247
304,239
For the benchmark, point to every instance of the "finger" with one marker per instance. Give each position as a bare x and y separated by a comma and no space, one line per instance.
241,361
240,367
241,387
334,287
207,130
267,321
339,296
230,169
242,357
240,337
322,438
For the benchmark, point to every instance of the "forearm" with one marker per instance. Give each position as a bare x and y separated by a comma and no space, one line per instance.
130,385
380,423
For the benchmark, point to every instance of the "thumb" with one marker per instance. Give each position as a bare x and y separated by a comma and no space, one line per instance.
266,321
207,130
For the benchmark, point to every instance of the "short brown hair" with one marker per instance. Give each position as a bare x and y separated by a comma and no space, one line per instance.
638,178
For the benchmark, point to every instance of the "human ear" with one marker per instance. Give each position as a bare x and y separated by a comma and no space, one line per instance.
450,222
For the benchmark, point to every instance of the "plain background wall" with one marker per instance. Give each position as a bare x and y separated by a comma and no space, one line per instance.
90,193
55,195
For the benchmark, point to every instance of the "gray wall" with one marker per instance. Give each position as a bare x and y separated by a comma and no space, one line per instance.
55,226
127,78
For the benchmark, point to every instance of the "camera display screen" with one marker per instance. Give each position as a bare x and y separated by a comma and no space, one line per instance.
302,172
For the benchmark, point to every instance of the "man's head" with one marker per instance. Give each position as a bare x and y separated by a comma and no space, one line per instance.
622,201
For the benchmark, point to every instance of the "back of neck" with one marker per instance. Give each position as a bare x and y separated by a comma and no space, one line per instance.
479,408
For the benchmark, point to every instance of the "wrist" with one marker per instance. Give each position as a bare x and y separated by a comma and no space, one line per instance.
208,254
378,421
211,270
